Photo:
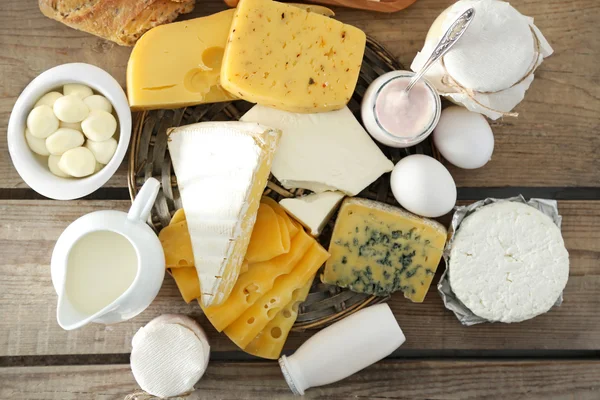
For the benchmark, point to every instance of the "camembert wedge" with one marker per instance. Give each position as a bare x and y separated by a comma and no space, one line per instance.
222,169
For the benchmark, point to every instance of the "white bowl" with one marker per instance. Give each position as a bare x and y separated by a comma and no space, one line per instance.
33,168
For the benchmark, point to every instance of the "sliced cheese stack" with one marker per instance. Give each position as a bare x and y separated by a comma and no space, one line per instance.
283,57
169,355
379,249
222,169
263,305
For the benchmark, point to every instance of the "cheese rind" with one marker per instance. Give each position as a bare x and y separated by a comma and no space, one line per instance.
243,330
269,342
257,281
163,73
280,56
222,169
314,210
508,262
326,151
379,249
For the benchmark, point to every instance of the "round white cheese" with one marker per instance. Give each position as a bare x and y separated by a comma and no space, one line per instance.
508,262
169,355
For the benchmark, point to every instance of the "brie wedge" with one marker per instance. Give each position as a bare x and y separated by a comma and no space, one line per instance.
508,262
313,211
323,151
222,169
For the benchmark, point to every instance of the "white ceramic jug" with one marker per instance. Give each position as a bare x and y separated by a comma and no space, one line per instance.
150,261
343,349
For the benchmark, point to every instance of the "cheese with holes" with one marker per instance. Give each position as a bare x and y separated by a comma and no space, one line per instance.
292,227
256,282
314,210
243,330
177,246
178,64
379,249
270,341
187,282
222,169
270,236
325,151
284,57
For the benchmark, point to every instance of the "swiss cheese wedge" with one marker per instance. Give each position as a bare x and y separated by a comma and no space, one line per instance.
177,245
186,279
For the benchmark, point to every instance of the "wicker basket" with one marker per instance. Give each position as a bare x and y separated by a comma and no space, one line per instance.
149,158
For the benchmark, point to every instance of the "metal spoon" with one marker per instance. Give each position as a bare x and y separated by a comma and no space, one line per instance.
451,36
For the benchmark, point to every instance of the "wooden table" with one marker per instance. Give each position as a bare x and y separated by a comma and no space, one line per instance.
550,151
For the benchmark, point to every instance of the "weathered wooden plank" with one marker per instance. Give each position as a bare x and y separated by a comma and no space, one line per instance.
554,141
531,380
29,229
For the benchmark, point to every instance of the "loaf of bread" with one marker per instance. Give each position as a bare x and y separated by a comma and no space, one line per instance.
122,21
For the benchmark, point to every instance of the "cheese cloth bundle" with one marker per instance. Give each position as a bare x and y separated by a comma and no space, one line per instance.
492,65
451,300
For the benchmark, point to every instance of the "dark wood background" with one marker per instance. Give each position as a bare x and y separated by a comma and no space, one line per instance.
551,150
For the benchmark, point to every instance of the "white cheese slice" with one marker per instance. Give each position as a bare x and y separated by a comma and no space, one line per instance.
169,355
222,169
508,262
313,211
323,151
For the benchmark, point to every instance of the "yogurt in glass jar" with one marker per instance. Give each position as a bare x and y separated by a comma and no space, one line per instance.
399,119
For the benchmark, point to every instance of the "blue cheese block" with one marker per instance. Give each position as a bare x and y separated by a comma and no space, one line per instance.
379,249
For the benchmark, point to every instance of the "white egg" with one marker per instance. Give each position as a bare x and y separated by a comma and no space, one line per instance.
423,186
464,138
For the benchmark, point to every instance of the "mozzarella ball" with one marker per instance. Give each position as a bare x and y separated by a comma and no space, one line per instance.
42,122
423,186
98,167
103,151
71,109
77,162
64,139
70,125
48,99
99,125
54,168
37,145
464,138
77,89
98,102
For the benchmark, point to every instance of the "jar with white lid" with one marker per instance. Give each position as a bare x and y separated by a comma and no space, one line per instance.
395,118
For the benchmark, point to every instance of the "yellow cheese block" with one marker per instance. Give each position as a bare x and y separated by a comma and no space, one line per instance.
257,281
178,64
177,245
178,216
379,249
283,57
243,330
293,228
270,236
187,282
270,341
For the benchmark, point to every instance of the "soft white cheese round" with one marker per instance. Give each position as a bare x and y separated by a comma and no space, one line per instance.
464,138
77,89
64,139
508,262
70,109
99,125
169,355
42,122
98,102
48,99
36,145
77,162
423,186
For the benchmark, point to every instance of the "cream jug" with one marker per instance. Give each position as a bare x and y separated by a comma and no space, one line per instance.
108,266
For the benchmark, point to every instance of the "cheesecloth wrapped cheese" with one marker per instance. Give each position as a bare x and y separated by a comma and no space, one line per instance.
492,65
169,355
